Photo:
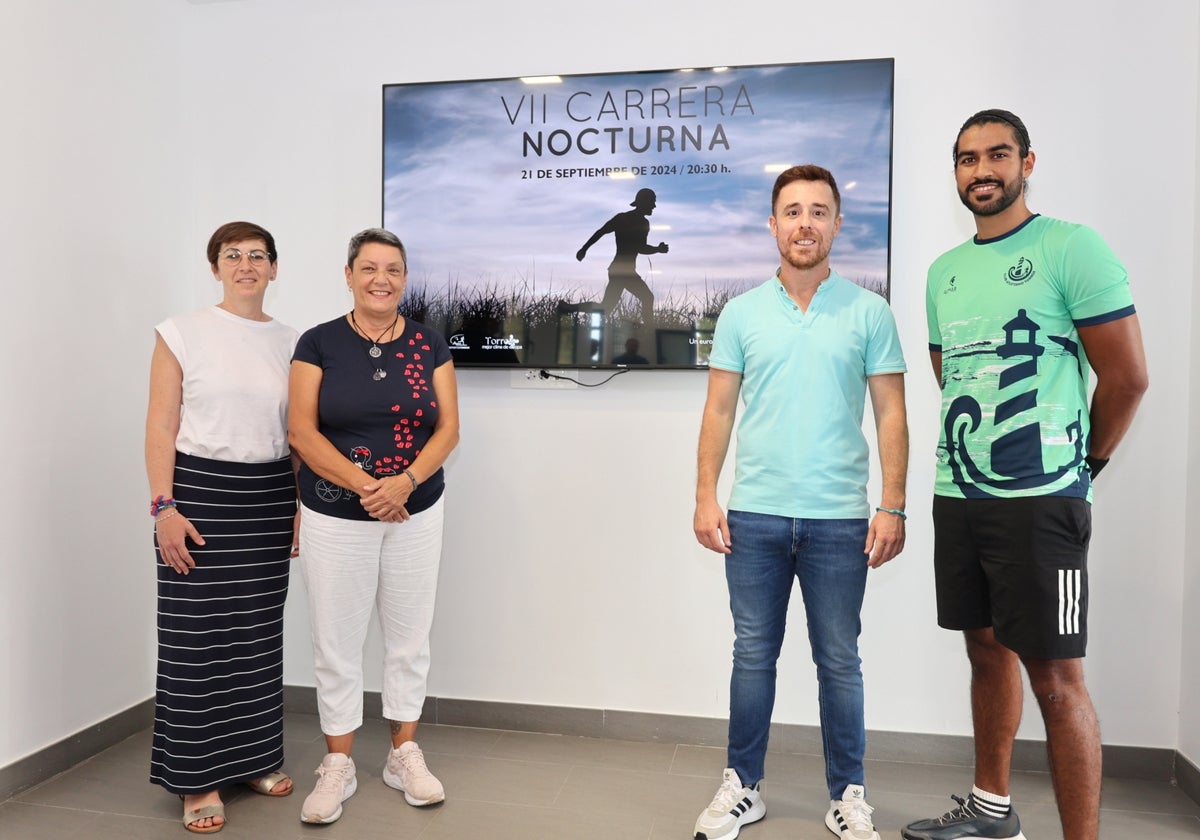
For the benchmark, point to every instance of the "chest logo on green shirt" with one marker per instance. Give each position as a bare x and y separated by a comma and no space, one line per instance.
1020,273
1014,439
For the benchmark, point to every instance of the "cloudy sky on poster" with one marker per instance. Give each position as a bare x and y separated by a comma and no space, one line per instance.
476,204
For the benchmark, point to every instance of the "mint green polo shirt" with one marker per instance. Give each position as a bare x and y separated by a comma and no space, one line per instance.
801,451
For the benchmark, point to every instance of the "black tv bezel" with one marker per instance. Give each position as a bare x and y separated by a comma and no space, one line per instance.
653,365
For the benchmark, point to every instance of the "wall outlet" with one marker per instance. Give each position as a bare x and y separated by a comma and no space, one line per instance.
531,379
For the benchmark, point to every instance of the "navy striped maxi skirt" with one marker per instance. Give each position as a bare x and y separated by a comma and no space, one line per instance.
218,717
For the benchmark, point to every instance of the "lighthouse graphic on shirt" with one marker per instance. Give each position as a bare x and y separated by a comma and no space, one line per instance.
997,450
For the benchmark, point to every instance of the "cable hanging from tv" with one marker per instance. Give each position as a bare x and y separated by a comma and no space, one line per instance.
545,374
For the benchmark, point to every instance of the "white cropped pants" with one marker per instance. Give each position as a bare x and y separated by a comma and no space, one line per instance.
350,566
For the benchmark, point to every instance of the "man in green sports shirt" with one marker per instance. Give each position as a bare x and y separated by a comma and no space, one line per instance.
1019,317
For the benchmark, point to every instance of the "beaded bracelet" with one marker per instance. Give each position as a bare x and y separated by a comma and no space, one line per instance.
893,511
411,477
169,514
160,504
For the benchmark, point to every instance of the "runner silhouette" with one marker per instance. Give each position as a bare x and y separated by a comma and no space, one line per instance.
629,230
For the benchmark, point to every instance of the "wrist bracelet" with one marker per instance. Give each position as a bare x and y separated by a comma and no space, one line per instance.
160,504
168,515
411,477
893,511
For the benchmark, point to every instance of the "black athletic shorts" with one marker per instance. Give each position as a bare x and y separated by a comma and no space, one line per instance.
1018,566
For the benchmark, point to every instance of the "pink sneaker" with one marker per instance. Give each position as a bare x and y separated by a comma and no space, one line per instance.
406,771
336,783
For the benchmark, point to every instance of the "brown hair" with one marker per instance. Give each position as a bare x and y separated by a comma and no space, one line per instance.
236,232
807,172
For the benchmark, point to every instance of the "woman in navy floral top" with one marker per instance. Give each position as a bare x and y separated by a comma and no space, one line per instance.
374,415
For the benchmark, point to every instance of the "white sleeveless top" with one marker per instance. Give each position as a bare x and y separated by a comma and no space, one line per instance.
235,384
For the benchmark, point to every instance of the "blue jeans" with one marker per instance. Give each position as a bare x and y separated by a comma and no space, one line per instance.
826,556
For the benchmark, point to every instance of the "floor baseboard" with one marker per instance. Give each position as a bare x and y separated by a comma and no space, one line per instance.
1152,764
1187,776
54,759
1148,763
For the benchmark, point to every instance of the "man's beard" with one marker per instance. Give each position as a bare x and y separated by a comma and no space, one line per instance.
1008,195
811,261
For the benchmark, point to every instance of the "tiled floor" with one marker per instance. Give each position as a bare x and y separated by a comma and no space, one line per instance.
502,785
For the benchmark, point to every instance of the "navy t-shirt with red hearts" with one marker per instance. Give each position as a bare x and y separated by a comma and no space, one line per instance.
378,423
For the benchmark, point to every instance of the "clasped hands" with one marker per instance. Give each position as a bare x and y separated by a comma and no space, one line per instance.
384,498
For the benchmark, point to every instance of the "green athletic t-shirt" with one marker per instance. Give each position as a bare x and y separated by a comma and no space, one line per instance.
1004,314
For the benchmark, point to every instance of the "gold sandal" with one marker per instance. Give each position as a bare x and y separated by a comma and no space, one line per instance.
266,784
197,814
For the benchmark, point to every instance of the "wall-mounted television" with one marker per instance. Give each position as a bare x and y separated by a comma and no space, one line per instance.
596,221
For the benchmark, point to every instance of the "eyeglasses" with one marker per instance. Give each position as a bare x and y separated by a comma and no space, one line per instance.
232,256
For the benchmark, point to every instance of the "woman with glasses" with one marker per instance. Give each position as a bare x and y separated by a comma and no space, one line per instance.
223,499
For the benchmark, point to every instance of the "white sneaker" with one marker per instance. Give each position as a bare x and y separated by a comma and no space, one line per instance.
850,816
734,806
405,770
336,783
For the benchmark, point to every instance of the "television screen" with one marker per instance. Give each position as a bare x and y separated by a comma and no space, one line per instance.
604,220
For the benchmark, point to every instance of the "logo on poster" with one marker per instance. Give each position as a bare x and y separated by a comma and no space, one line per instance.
510,343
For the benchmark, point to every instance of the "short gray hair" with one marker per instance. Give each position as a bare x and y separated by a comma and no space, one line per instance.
383,237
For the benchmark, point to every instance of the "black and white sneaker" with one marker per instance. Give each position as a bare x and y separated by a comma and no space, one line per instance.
967,820
850,817
734,806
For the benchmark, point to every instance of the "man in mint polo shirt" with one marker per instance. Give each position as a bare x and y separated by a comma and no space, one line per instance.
1018,317
802,349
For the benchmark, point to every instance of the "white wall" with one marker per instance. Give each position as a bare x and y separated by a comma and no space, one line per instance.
570,573
1189,696
91,243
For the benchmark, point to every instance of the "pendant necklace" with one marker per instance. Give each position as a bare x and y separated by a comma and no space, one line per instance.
374,351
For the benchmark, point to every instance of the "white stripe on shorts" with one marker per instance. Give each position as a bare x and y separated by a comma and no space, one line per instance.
1068,601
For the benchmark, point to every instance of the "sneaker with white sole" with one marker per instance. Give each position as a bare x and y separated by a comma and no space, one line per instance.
734,806
336,782
850,816
967,820
405,770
